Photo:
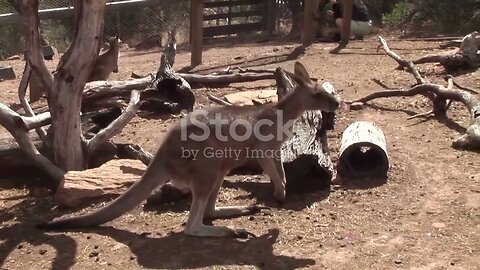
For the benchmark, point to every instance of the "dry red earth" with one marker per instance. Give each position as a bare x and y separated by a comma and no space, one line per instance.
425,217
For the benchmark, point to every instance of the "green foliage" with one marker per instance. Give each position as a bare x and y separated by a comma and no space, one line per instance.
401,11
444,16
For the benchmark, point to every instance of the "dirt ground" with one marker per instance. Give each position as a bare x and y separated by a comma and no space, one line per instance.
425,217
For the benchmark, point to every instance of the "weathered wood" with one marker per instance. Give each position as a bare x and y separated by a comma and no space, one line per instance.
346,21
74,69
169,83
116,125
363,152
22,89
16,162
464,57
226,79
305,156
16,126
112,178
196,31
439,95
308,25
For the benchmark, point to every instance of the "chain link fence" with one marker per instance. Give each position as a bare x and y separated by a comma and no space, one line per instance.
134,24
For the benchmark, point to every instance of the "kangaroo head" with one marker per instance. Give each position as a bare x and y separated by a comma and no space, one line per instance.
312,95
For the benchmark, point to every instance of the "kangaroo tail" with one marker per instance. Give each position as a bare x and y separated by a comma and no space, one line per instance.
154,176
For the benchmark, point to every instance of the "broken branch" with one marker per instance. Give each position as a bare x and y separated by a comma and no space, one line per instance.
15,124
402,62
22,89
117,125
219,100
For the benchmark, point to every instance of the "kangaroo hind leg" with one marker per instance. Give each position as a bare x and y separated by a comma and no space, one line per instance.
202,194
221,212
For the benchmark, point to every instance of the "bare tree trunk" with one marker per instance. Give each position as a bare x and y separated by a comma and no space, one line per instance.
65,99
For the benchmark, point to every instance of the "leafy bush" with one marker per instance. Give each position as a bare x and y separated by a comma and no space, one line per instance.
400,13
445,16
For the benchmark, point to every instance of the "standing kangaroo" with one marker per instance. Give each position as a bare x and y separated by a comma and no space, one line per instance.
200,164
107,62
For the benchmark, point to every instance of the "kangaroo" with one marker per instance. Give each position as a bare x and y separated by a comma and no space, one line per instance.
200,164
107,62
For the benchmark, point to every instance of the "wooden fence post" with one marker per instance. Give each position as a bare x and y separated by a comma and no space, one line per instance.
347,21
196,31
308,27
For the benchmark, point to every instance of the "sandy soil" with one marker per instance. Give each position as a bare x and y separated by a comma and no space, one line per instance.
425,217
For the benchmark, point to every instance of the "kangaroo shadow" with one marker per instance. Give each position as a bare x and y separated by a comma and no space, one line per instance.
171,199
178,251
12,236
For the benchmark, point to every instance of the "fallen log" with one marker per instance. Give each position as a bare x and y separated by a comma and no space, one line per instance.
305,156
224,79
464,57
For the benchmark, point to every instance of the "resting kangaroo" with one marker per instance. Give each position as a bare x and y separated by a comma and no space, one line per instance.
107,62
200,164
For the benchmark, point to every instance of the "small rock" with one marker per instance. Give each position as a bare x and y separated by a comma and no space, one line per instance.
42,251
7,73
132,258
439,225
88,237
398,261
93,254
299,237
343,245
97,259
356,106
251,218
20,246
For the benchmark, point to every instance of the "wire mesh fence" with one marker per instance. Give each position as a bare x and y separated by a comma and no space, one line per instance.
131,24
136,23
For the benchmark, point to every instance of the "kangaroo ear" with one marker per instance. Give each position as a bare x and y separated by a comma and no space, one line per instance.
301,73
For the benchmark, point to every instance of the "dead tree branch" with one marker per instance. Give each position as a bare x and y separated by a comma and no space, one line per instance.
439,95
22,90
29,11
117,125
226,79
464,57
15,124
218,100
402,62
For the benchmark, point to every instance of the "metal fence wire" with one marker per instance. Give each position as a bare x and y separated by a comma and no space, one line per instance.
140,23
135,24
